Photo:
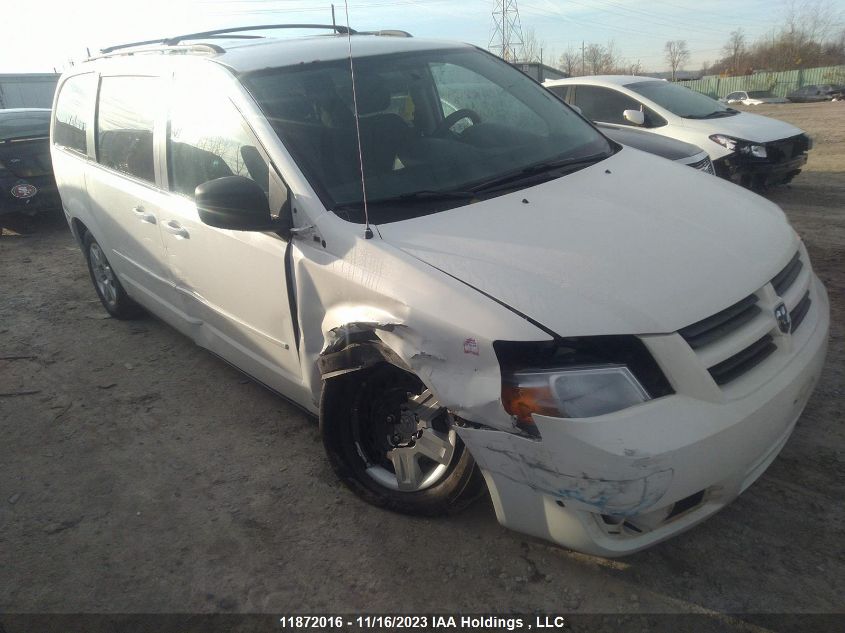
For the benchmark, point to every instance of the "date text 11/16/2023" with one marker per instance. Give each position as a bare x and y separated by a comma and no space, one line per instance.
428,622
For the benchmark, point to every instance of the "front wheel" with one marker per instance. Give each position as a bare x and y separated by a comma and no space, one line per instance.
390,441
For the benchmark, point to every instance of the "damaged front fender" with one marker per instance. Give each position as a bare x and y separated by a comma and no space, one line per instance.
369,303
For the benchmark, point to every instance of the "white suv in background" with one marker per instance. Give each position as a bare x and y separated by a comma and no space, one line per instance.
749,149
519,304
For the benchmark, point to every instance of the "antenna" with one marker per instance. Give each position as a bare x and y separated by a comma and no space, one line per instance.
368,232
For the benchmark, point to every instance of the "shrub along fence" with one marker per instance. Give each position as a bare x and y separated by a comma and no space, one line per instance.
780,83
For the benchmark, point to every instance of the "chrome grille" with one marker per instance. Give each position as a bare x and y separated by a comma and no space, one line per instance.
783,284
800,311
746,359
721,324
784,279
737,339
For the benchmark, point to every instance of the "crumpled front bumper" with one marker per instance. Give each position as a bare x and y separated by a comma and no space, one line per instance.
618,483
758,173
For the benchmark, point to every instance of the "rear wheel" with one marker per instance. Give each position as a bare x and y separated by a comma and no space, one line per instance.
389,439
108,286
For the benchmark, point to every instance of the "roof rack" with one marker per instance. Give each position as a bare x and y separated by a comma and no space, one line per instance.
386,33
217,33
200,47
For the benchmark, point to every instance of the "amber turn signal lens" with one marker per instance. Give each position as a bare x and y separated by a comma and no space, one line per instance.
522,401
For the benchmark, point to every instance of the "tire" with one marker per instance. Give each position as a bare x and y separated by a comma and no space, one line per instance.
108,287
354,422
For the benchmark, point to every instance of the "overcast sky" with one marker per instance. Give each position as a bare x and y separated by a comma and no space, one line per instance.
46,34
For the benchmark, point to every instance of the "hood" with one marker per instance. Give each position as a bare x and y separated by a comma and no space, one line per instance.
632,245
745,125
649,142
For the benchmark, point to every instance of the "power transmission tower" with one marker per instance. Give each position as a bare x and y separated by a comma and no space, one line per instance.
506,39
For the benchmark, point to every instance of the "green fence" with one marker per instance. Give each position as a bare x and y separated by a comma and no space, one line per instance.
779,83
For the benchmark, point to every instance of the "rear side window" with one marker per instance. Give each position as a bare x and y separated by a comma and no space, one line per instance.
603,104
209,139
125,122
561,91
73,107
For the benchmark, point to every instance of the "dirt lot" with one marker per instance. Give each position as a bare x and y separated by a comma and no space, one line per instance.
138,473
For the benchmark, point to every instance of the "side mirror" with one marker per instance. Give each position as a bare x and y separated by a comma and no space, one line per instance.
236,203
577,109
634,116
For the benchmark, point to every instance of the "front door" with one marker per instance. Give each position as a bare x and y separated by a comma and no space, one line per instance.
233,284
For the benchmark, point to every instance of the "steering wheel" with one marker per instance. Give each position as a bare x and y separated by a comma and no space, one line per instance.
446,124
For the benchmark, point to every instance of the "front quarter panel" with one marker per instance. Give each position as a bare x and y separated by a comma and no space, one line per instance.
441,329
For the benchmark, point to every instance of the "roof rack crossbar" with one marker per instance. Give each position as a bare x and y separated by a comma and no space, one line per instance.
172,41
387,33
201,46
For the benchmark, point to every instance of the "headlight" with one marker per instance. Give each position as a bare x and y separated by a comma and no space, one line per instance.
738,145
578,392
725,141
577,377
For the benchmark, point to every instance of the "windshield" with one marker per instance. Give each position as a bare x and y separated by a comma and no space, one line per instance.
24,124
681,101
760,94
438,129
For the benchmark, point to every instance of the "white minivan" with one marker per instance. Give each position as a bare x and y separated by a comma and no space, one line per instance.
517,304
749,149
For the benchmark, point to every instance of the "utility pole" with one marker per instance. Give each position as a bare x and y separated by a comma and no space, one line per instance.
583,70
506,39
334,24
540,70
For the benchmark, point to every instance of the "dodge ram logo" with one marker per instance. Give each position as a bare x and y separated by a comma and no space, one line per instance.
783,319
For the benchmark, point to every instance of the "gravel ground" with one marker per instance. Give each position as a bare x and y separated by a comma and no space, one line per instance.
138,473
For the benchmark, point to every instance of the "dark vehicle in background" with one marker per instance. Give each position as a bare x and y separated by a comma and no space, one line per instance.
669,148
27,184
817,92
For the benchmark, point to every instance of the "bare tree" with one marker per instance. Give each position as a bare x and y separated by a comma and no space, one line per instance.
810,35
570,61
677,55
735,52
601,60
532,47
812,20
635,68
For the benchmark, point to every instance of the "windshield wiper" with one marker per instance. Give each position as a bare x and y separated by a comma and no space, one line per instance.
431,194
540,172
536,173
413,196
716,114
